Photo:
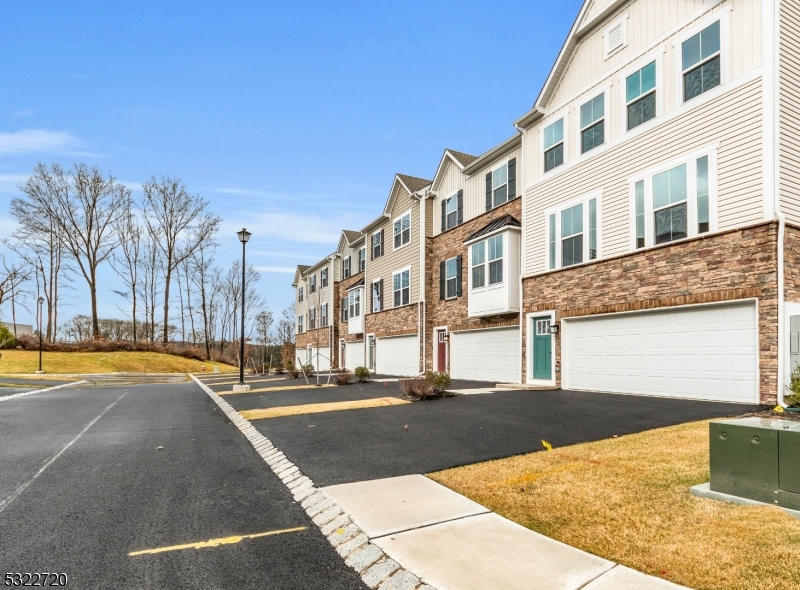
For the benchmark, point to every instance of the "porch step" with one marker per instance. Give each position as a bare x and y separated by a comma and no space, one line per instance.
523,387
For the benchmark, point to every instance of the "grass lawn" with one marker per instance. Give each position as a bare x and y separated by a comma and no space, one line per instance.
27,361
627,499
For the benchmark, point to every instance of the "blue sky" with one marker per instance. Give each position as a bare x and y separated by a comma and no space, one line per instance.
291,118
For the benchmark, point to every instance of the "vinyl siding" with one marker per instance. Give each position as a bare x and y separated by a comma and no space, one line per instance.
790,109
733,119
648,20
394,260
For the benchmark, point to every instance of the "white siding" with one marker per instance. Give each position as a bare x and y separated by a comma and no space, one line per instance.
733,120
790,110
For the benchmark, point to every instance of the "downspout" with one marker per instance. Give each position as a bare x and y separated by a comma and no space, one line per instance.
774,72
421,308
523,361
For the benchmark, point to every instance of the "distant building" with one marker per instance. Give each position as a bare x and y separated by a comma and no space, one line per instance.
20,329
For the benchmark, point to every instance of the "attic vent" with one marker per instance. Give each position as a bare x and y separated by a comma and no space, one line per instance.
615,37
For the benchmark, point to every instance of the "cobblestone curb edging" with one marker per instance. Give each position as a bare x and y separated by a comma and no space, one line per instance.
376,569
35,391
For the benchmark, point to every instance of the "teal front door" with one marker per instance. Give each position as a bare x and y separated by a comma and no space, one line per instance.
542,349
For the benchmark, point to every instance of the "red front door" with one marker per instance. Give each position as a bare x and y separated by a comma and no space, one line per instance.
441,351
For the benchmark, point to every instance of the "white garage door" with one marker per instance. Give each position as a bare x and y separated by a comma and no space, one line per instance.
397,356
301,354
485,355
354,355
321,362
702,352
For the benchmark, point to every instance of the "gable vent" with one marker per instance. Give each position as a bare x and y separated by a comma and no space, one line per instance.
615,37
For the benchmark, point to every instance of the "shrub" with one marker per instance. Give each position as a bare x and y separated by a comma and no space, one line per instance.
362,374
6,337
278,369
418,387
440,380
293,373
308,368
343,377
289,366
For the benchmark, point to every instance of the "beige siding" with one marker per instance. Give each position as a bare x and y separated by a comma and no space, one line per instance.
733,120
790,109
394,260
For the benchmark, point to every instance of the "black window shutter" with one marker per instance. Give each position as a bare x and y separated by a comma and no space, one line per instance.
458,274
380,287
460,207
512,178
489,191
442,280
344,309
372,248
381,248
349,266
444,214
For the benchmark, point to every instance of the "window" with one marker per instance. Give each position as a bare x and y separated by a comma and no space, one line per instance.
554,145
377,244
312,284
674,204
323,278
701,62
362,259
323,316
593,125
345,308
488,253
479,265
300,325
312,318
346,268
401,288
501,185
354,303
300,294
572,234
640,89
451,278
402,230
377,288
450,211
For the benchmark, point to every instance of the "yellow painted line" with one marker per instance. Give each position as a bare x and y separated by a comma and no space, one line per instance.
216,542
246,381
380,402
278,388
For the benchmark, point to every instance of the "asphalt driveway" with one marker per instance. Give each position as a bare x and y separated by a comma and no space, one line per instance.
364,444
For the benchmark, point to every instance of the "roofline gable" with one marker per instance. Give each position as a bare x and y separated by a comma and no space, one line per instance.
442,167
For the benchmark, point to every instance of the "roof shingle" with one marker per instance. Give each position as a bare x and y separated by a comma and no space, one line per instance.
501,222
463,159
413,183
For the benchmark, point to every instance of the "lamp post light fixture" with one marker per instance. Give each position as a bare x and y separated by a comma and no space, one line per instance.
40,301
244,237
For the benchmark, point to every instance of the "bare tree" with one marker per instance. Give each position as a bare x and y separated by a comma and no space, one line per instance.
263,334
12,276
202,277
126,261
179,223
84,205
286,326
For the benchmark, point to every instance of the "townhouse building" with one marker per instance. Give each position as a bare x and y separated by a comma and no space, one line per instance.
639,234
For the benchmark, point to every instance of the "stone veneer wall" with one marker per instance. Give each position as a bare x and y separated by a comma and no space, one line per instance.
791,259
737,264
454,312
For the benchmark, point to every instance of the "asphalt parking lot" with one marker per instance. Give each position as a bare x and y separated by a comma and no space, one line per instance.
335,447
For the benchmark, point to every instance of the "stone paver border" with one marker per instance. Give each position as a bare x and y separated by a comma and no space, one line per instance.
376,569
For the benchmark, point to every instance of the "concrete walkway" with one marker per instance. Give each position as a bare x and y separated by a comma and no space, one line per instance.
453,543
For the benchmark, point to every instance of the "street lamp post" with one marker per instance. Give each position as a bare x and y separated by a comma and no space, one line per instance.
244,236
40,301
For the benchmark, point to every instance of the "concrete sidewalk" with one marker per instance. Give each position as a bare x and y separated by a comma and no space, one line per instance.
453,543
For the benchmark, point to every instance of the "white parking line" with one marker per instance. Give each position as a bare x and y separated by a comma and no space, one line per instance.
35,391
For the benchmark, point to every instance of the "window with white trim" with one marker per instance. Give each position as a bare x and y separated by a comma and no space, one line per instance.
323,316
674,204
401,288
354,303
593,123
640,95
486,262
451,211
312,284
377,244
701,62
346,268
312,318
402,230
362,259
572,234
300,324
377,286
500,185
554,145
451,277
323,278
300,294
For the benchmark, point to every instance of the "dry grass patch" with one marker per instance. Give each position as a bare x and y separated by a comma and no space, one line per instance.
320,408
627,499
27,361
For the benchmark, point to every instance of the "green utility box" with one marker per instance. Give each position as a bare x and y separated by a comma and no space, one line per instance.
758,459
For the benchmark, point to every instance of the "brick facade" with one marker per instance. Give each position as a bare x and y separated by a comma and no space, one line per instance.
453,312
400,321
728,266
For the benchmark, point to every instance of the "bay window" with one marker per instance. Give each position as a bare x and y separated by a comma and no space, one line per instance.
486,262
